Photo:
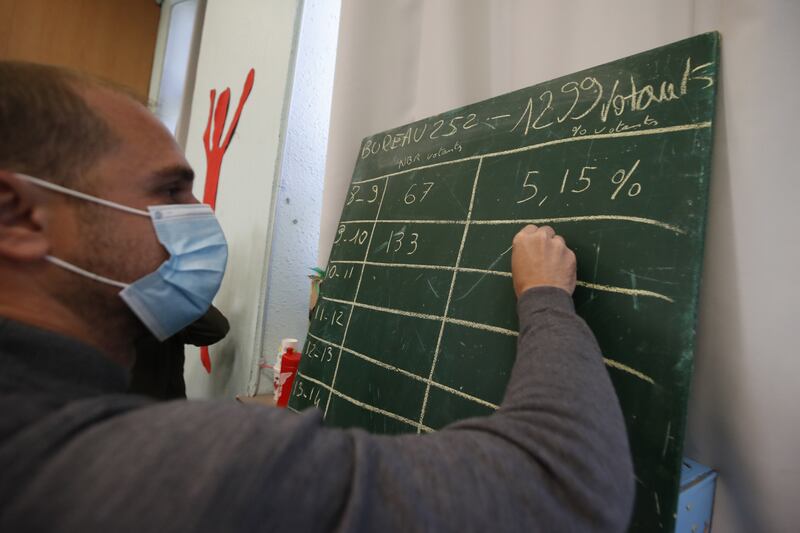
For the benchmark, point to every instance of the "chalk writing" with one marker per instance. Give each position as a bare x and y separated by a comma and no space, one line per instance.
410,198
573,100
311,394
326,315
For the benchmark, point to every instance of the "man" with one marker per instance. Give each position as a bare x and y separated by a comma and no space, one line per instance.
77,454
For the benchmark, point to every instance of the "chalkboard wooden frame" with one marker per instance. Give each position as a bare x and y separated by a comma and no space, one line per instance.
416,325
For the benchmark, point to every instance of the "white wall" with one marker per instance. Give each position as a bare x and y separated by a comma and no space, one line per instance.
744,415
239,35
404,60
299,195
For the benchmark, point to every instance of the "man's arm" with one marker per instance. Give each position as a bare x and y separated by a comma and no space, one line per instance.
554,457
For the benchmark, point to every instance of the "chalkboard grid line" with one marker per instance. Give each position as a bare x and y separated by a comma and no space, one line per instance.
355,296
450,292
593,137
625,368
585,284
333,392
478,325
609,362
408,374
552,220
426,316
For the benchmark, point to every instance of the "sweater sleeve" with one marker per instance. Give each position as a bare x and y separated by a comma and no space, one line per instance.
553,457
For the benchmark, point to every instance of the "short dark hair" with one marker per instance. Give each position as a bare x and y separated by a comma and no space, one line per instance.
46,127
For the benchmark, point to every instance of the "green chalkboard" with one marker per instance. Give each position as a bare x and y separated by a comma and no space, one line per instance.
416,325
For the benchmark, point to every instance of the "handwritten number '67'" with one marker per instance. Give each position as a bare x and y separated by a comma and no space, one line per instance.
410,197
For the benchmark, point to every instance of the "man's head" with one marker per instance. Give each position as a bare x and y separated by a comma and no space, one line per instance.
86,135
47,128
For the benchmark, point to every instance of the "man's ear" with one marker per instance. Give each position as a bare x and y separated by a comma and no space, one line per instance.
22,220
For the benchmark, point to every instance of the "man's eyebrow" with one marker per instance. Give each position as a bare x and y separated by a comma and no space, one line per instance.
180,172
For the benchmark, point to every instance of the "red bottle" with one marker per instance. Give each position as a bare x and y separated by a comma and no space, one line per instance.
289,362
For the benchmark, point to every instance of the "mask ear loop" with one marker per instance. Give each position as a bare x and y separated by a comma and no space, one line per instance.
91,275
89,198
83,196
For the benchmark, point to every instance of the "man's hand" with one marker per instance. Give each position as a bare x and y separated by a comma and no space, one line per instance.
541,258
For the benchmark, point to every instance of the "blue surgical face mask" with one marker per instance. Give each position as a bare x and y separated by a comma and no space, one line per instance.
182,288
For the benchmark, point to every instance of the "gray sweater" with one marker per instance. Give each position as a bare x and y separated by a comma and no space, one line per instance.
78,454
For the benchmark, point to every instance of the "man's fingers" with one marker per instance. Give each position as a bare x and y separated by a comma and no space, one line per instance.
530,229
541,258
545,231
550,232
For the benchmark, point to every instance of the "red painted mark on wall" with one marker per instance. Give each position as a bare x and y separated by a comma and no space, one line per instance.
215,151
